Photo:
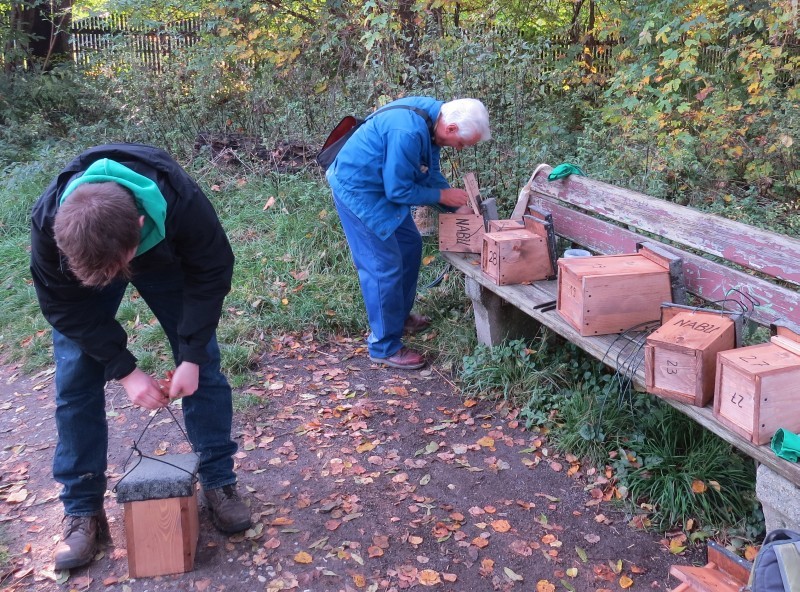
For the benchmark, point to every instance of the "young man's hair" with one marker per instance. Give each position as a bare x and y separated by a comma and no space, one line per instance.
97,229
471,117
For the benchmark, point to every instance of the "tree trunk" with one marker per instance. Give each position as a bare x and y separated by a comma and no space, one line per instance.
39,34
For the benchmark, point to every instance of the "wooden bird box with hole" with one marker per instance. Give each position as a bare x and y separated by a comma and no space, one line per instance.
680,357
162,526
612,293
518,254
756,388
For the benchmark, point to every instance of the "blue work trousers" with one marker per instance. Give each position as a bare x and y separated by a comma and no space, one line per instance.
388,271
80,460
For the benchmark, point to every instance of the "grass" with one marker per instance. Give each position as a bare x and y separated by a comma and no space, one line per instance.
528,374
684,473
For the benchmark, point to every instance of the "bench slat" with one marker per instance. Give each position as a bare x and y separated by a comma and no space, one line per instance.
767,252
614,351
703,277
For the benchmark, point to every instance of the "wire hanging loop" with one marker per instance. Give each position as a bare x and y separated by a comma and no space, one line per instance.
140,455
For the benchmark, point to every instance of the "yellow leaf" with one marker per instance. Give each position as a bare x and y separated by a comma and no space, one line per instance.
303,557
675,547
625,582
428,260
572,572
544,586
698,486
429,577
359,580
750,552
486,442
284,301
415,540
364,447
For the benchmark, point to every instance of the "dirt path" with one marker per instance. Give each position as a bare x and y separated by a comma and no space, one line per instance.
360,478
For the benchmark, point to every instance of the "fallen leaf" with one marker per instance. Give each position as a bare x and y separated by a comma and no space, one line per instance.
698,486
429,577
521,547
303,557
625,582
486,442
513,576
545,586
501,526
675,547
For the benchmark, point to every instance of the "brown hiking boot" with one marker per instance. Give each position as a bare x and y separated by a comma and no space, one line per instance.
228,512
82,538
415,323
405,359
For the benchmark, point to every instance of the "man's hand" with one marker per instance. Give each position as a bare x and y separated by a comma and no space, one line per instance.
184,380
143,390
453,197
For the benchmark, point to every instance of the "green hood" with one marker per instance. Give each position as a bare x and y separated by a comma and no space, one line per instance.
149,200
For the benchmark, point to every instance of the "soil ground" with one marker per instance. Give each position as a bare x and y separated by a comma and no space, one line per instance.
359,478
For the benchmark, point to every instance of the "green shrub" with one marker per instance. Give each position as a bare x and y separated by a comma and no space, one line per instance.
528,375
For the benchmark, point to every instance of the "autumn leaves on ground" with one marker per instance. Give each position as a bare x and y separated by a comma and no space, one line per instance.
360,478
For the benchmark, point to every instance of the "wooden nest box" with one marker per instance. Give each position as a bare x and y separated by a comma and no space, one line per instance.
161,518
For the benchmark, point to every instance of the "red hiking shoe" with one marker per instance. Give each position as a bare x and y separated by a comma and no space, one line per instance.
416,323
405,359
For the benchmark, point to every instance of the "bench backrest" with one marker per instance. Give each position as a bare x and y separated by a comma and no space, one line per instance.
720,257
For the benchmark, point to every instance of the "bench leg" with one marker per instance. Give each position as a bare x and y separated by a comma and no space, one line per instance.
495,319
780,499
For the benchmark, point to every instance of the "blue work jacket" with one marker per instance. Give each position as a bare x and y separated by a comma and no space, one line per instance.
388,165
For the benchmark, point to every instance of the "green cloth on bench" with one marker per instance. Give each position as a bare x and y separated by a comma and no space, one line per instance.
564,170
786,445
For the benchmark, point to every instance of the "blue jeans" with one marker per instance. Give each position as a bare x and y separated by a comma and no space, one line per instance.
388,271
80,460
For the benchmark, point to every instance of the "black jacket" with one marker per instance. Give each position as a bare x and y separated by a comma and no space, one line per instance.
194,240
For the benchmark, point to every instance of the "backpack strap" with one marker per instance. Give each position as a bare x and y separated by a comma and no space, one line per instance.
416,110
788,556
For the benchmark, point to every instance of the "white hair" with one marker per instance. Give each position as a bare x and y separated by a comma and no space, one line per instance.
471,117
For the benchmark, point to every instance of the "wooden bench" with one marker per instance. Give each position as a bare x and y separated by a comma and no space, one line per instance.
721,259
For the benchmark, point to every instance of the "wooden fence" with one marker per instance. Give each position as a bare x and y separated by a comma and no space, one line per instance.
149,47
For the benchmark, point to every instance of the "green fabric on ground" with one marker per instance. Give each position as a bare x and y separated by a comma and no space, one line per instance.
564,170
786,445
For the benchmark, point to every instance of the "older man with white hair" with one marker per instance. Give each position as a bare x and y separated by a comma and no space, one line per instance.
390,164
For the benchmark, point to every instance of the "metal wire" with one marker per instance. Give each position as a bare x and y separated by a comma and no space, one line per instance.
140,455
